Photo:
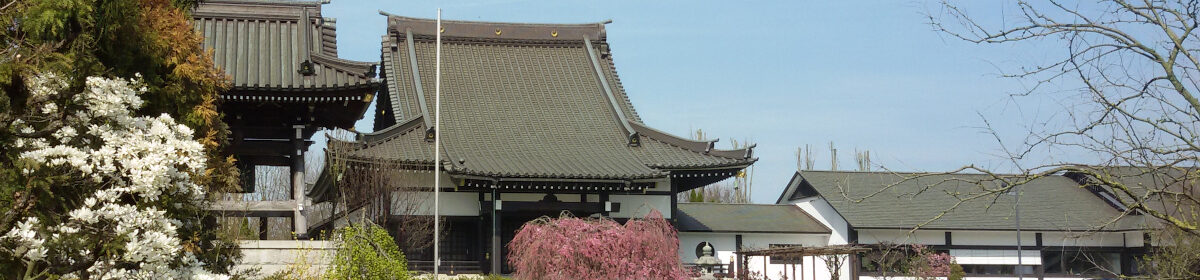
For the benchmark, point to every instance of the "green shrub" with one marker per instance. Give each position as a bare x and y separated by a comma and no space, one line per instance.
956,272
366,251
480,277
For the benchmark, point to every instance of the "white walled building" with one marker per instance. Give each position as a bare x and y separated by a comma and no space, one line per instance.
1066,231
730,228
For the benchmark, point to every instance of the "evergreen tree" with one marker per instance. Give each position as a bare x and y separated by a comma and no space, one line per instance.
117,39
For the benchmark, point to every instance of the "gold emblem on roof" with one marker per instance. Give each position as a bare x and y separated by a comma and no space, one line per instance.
498,31
554,33
442,30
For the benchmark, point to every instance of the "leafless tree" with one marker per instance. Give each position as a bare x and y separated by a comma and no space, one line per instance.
1136,65
1178,261
383,192
889,258
732,190
834,263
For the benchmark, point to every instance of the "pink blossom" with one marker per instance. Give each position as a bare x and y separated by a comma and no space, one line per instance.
591,248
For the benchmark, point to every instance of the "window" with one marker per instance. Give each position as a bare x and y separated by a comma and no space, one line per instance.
885,260
997,269
700,249
1081,263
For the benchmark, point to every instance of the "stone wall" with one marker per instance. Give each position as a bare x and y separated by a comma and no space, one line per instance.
271,256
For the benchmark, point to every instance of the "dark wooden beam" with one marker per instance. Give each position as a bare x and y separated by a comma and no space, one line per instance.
278,160
578,208
258,147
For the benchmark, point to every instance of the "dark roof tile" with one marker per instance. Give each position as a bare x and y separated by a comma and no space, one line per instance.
261,45
720,217
525,104
1053,203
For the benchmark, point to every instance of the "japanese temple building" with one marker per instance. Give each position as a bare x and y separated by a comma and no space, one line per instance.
1064,230
535,121
287,83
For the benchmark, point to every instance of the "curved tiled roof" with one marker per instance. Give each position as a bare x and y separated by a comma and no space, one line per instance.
742,218
522,101
263,44
1052,203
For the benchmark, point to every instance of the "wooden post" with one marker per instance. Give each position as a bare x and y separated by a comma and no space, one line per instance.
481,243
741,260
765,261
802,267
604,202
299,225
262,228
497,246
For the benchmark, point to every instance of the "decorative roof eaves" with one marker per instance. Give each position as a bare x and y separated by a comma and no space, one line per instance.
738,164
360,69
397,129
257,9
513,176
272,2
792,185
702,147
497,30
366,84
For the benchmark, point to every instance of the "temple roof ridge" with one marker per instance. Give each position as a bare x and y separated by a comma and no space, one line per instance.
452,29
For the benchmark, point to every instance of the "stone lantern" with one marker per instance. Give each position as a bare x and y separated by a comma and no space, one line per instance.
707,262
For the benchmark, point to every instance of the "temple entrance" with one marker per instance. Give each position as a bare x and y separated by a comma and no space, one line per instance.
514,214
461,247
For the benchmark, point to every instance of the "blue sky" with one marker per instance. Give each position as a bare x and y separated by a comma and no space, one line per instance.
867,75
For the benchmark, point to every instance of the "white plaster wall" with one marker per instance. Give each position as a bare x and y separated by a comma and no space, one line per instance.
820,210
452,203
661,185
637,206
1134,239
1001,238
993,238
726,245
1089,239
1005,257
778,271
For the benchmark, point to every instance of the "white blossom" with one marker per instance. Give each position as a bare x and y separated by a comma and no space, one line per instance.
126,156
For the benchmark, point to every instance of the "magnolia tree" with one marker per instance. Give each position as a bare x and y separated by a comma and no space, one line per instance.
574,248
129,183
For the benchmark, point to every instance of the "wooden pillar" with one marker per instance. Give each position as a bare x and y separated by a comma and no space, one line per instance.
1041,269
481,243
741,260
604,201
855,261
262,228
802,268
674,205
299,224
497,252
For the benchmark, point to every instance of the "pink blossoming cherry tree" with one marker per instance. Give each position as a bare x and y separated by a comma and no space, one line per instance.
596,248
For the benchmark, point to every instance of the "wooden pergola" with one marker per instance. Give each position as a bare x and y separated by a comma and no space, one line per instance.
799,252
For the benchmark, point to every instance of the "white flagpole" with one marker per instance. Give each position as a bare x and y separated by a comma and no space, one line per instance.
437,147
